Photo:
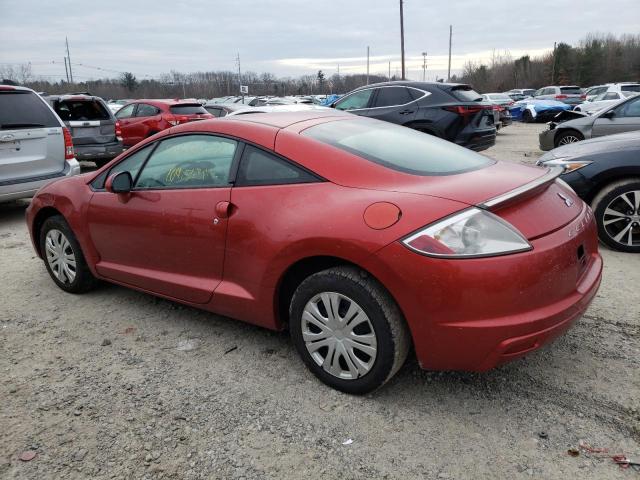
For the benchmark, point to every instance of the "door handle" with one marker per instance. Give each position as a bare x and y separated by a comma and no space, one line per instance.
405,112
224,209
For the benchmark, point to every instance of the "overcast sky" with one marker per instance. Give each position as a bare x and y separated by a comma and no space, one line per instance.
290,37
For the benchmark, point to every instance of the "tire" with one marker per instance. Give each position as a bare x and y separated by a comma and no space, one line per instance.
56,238
567,137
611,198
357,368
527,117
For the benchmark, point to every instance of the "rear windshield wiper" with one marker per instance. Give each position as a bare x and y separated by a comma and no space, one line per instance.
10,126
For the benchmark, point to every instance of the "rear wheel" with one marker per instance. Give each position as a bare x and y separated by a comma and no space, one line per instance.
348,330
617,212
567,137
63,257
527,117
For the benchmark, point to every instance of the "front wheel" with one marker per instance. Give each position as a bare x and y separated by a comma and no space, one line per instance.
348,330
63,257
570,136
617,212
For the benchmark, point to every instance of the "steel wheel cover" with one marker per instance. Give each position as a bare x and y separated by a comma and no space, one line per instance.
60,256
339,335
621,218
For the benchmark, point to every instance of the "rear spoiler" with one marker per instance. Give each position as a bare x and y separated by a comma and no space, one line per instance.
538,183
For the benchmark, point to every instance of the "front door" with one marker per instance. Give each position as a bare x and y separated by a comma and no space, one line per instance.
626,118
168,235
395,104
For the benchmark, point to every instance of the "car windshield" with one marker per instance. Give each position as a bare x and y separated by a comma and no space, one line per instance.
24,109
73,110
396,147
187,109
630,88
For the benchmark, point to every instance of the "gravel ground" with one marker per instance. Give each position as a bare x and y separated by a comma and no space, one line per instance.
119,384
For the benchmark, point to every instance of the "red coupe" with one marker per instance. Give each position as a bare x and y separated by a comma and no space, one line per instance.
362,237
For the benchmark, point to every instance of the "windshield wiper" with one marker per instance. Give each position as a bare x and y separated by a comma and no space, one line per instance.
7,126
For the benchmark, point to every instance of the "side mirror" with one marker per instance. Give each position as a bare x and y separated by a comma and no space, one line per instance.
119,183
609,114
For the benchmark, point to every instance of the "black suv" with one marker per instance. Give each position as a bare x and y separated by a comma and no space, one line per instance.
94,129
451,111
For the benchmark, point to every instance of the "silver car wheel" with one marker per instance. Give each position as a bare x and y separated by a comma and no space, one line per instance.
621,218
567,139
60,256
339,335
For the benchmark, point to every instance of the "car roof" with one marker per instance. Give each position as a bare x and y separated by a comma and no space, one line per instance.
15,87
411,83
166,101
286,119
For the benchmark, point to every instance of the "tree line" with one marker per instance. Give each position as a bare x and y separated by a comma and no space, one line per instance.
595,60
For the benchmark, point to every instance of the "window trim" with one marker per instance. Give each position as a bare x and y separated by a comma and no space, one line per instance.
374,97
237,184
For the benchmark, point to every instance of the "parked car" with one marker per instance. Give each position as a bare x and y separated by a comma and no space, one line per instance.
592,92
569,94
502,102
520,93
380,240
603,100
223,109
143,118
624,116
94,128
298,107
531,110
451,111
605,172
115,105
35,146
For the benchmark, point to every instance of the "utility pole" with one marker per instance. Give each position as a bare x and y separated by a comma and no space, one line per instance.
66,70
367,65
239,77
69,58
389,70
402,37
424,66
449,69
553,66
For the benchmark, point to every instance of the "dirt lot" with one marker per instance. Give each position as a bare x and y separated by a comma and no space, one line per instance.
119,384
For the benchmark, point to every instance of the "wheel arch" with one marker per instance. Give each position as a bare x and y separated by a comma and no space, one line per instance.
38,221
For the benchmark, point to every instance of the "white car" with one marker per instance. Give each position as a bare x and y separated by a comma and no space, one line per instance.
602,101
35,145
115,105
296,107
592,92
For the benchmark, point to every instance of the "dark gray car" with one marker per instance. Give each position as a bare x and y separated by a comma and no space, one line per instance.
621,117
92,125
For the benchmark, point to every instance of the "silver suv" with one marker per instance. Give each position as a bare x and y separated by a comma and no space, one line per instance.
35,146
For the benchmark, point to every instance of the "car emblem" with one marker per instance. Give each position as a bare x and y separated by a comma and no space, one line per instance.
567,201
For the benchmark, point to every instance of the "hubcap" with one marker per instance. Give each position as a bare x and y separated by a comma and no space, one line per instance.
60,256
339,336
621,218
568,139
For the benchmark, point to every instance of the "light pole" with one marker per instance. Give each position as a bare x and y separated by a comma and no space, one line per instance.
402,37
424,66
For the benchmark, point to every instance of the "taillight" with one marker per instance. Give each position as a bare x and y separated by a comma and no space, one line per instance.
583,97
177,119
118,130
560,97
468,111
68,144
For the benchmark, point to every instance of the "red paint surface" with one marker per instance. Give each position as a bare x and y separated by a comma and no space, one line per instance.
467,314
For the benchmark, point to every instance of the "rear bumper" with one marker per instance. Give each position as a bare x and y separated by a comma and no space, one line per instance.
475,314
478,140
105,151
29,186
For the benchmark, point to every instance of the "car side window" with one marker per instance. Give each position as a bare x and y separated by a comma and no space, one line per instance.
189,161
130,164
629,109
391,96
355,100
258,167
145,110
610,96
126,112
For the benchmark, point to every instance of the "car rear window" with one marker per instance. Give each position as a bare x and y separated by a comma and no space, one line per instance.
571,90
630,88
498,96
465,93
24,109
187,109
396,147
78,110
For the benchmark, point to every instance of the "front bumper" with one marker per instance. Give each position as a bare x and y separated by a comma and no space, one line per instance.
105,151
475,314
547,139
28,187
